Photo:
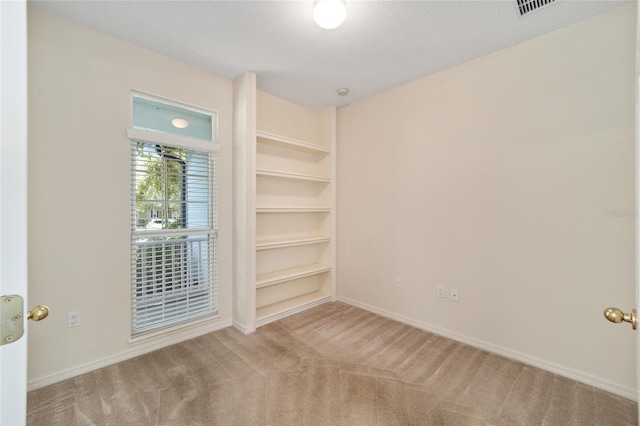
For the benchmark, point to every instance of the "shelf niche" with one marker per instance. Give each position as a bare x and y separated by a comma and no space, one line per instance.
284,186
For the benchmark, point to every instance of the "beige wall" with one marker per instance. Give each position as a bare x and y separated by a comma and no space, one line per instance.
79,186
494,177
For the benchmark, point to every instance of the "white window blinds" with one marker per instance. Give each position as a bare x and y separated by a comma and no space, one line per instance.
173,255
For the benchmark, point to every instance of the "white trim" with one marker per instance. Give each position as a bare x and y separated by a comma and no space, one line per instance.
244,183
141,348
580,376
13,201
174,140
143,337
242,328
333,191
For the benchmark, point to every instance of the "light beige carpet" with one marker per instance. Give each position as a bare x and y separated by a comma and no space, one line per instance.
331,365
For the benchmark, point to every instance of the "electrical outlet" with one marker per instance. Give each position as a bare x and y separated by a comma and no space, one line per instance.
398,282
73,319
455,295
441,292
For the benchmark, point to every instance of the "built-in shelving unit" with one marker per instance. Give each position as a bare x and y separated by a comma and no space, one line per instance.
285,214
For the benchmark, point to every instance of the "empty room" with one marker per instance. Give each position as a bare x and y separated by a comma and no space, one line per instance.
280,213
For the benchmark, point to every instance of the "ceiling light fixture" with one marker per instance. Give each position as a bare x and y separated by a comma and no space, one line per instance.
343,91
329,14
180,123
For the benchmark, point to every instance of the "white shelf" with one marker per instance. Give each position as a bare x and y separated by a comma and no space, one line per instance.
277,277
287,175
293,209
284,142
290,242
275,311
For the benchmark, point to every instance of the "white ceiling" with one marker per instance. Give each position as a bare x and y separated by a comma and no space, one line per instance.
382,44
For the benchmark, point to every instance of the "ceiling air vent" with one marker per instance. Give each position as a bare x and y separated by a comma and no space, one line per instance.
528,6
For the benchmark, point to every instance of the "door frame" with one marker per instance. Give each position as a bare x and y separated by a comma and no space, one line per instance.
13,200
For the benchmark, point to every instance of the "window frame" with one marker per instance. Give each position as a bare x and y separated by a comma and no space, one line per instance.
211,148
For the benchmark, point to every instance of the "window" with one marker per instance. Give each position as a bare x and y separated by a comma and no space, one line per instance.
173,215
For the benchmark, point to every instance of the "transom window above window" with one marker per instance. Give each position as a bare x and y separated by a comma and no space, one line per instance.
164,117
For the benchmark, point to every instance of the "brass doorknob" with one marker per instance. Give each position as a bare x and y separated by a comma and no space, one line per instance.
38,313
616,315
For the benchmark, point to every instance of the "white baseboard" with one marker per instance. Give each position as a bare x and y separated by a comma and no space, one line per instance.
561,370
243,328
136,349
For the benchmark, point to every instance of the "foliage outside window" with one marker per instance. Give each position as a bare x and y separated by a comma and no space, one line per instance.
162,191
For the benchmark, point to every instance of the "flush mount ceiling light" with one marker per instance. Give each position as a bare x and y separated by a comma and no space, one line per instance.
329,14
180,123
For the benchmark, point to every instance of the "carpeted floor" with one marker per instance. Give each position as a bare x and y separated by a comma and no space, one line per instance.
331,365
